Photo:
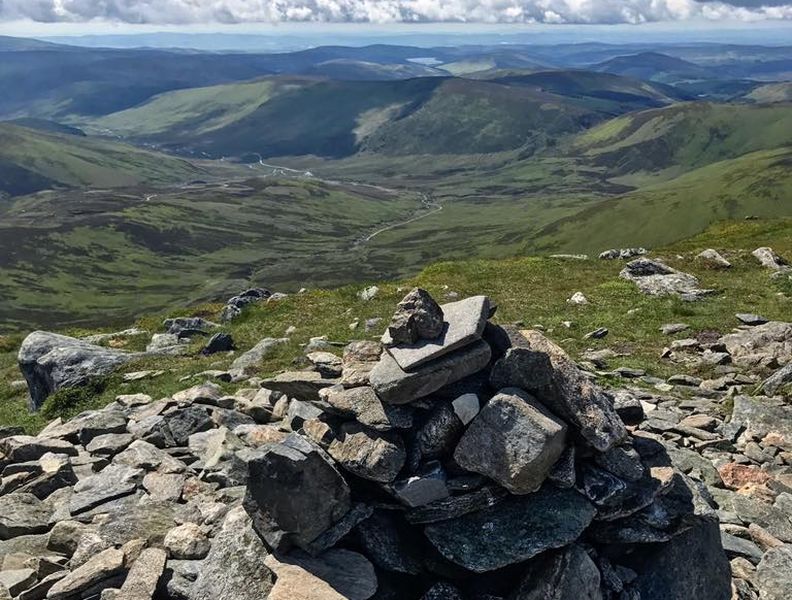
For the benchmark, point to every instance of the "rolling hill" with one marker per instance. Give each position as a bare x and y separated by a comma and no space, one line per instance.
756,184
297,116
653,66
118,253
33,160
771,93
683,137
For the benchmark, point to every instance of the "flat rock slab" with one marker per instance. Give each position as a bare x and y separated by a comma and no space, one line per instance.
141,583
114,481
394,385
85,578
657,279
513,530
760,417
774,574
23,514
302,385
335,575
235,566
762,344
464,324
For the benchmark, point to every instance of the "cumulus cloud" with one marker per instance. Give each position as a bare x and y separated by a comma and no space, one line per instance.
172,12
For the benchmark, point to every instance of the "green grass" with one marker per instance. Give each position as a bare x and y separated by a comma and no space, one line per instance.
52,159
758,184
84,257
290,116
684,136
192,111
530,290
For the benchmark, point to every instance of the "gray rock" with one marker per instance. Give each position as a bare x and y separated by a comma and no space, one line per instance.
326,364
368,454
234,567
428,486
466,407
657,279
362,404
86,426
570,395
515,529
782,377
764,345
114,481
673,328
17,581
247,363
713,259
294,493
622,253
774,574
396,386
386,542
751,319
219,342
187,542
735,546
109,444
25,448
179,325
23,514
141,583
770,260
457,506
168,344
91,577
690,565
757,417
50,362
439,434
464,324
302,385
417,317
622,461
522,368
514,440
335,575
567,574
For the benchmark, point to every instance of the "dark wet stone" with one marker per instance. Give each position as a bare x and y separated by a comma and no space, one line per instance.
514,530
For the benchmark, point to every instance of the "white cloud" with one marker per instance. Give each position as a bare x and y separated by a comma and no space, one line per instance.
166,12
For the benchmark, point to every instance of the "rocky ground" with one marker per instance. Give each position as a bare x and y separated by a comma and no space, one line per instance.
456,458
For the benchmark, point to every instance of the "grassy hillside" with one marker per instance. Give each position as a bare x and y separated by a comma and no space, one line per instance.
290,116
100,256
757,184
684,137
530,290
195,111
653,66
32,160
771,93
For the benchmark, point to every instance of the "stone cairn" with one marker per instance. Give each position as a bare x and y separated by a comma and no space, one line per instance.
456,460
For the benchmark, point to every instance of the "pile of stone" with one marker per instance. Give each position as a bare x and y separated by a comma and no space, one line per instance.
656,278
455,460
622,253
236,304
